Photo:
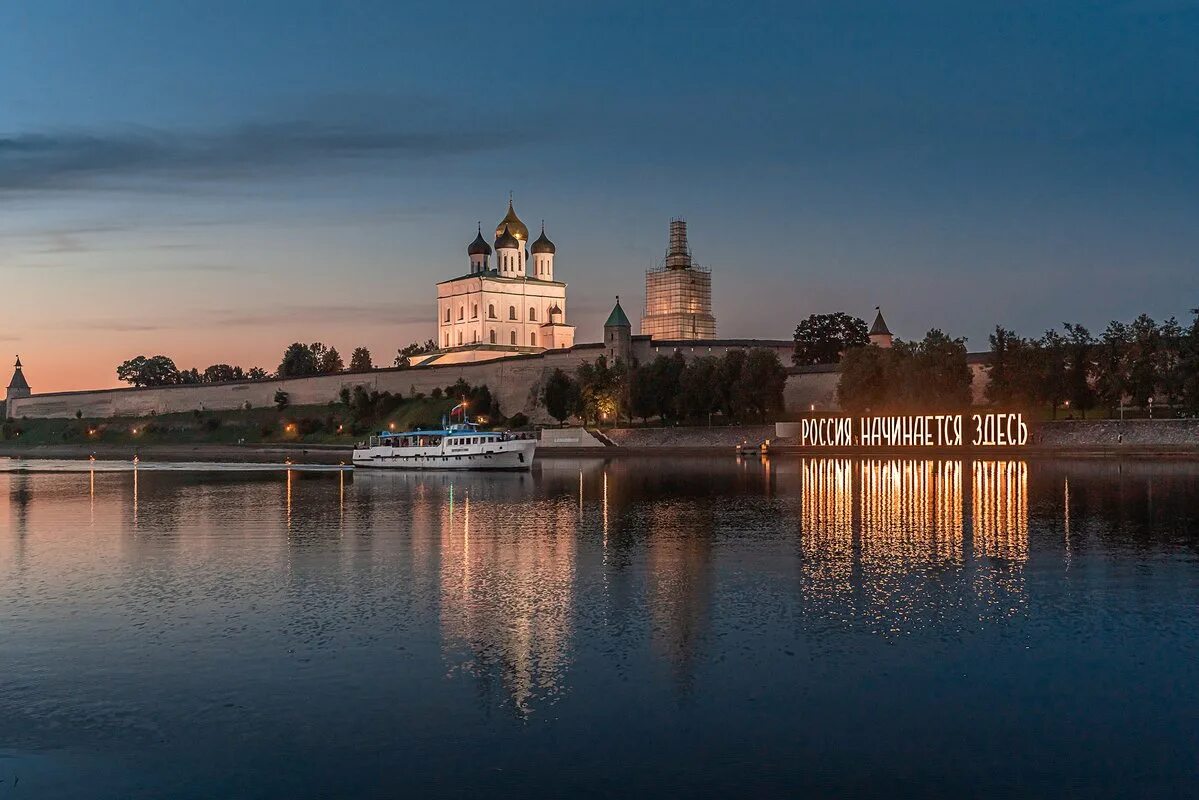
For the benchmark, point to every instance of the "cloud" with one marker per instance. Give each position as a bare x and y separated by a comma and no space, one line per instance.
109,159
120,326
290,316
328,314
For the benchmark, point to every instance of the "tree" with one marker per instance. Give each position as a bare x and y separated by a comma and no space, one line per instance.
256,374
999,371
1144,348
1079,368
667,374
154,371
1188,365
360,360
822,338
405,354
599,393
1111,367
761,382
935,375
1052,372
1170,378
330,362
298,360
281,399
643,400
864,384
726,379
697,388
220,373
912,377
561,396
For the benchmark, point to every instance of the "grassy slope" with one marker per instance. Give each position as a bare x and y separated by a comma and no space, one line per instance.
255,425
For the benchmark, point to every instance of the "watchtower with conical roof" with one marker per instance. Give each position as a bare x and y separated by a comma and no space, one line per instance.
618,335
880,334
18,387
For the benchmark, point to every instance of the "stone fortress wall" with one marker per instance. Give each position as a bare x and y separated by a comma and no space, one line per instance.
515,382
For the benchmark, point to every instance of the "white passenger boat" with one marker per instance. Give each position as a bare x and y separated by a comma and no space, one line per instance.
453,446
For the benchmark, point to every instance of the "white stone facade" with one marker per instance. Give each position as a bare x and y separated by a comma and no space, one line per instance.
501,308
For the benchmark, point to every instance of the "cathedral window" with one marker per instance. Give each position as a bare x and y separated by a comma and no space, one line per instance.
459,337
493,337
447,340
474,337
532,315
491,310
511,312
513,337
447,313
474,314
461,310
532,339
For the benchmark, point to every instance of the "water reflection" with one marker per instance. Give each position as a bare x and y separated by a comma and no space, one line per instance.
506,578
878,537
525,588
999,506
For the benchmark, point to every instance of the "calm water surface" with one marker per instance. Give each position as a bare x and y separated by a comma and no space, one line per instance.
671,627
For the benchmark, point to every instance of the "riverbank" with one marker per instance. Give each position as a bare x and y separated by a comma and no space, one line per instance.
1104,439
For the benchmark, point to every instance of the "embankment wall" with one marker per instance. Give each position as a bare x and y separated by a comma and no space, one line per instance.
515,382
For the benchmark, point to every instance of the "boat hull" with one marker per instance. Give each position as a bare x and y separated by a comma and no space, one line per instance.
507,456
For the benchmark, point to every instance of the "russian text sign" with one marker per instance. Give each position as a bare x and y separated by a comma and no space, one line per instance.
933,430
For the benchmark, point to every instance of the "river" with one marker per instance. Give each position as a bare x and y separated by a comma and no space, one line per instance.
673,627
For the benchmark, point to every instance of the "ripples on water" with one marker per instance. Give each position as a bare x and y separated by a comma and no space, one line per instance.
679,627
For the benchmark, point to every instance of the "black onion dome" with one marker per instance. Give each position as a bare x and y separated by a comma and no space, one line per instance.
506,241
543,244
479,246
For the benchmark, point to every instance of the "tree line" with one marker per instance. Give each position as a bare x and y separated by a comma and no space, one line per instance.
1141,363
299,360
741,385
928,375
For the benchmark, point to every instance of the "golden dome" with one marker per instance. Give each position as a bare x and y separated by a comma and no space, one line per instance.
515,226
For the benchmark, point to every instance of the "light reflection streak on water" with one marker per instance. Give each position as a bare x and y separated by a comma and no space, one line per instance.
1000,509
506,600
874,532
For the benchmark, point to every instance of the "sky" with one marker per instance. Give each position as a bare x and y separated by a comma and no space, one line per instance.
214,180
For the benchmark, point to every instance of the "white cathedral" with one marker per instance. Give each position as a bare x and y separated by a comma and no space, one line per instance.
513,306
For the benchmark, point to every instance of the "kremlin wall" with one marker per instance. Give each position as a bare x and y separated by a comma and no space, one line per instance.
503,325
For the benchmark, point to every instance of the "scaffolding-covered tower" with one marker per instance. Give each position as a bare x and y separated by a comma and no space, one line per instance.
678,294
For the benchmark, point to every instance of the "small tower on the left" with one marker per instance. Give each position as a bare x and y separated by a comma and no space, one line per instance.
18,387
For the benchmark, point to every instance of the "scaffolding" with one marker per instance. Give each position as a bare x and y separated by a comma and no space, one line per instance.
678,293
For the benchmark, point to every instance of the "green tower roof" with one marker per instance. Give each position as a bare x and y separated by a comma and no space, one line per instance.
617,318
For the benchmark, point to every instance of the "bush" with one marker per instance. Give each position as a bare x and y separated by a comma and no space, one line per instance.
518,420
212,423
281,400
308,426
436,395
266,431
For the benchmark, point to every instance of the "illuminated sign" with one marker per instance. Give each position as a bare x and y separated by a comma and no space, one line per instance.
935,430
